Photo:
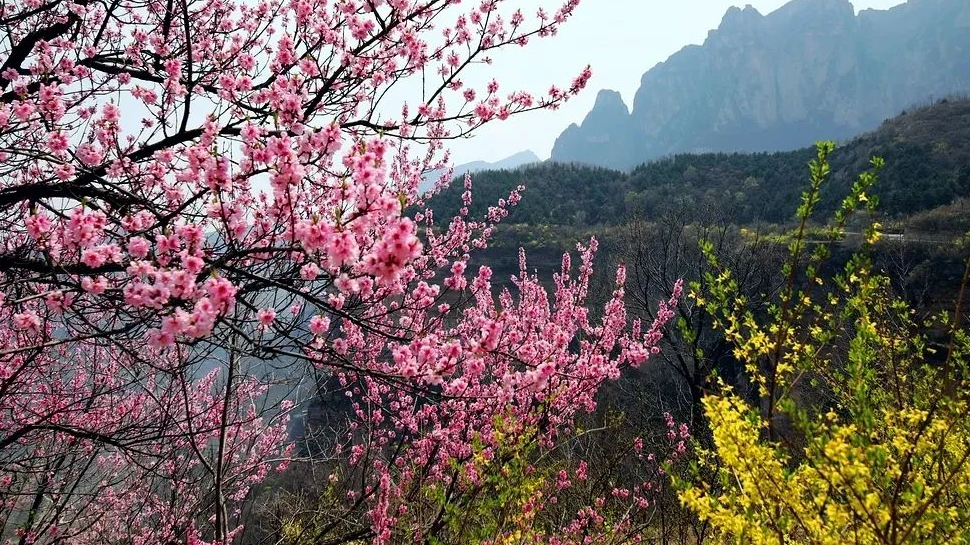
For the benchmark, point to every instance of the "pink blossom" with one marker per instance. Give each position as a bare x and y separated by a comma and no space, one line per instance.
266,316
309,271
26,321
319,325
89,154
94,285
138,247
57,142
23,110
92,258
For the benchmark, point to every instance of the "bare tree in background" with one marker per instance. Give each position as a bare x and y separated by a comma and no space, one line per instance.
658,251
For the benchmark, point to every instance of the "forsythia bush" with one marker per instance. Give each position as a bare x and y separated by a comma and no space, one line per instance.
859,431
904,482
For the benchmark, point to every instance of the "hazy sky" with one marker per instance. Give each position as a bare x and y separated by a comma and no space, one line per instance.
621,39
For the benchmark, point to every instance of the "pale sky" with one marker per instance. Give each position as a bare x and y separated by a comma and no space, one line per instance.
621,39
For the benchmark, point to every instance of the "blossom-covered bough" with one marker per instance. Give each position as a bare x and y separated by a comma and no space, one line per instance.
204,201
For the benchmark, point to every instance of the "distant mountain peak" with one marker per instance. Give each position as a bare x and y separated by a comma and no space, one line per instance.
602,133
736,17
513,161
609,103
609,97
522,157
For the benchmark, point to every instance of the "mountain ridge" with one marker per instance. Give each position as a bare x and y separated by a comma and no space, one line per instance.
513,161
927,154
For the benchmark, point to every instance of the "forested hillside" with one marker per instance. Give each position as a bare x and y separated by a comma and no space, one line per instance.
927,153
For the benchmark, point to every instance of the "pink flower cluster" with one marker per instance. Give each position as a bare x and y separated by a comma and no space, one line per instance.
509,357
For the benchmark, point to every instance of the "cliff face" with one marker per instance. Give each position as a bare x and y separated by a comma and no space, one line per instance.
807,71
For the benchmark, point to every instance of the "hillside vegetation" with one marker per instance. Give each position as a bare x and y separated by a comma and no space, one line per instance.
927,153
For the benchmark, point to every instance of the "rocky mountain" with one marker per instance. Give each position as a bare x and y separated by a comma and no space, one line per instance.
603,138
810,70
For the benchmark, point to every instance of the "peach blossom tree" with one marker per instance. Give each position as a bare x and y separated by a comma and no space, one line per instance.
204,202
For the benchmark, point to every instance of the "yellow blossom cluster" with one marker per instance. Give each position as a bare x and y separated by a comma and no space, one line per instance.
908,483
